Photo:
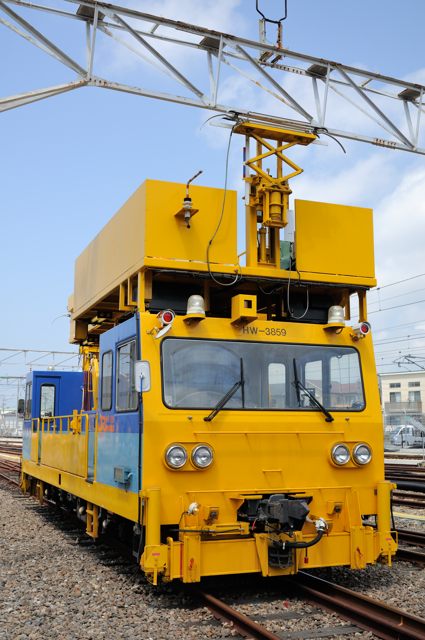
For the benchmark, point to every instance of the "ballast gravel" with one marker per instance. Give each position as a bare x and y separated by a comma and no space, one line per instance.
52,587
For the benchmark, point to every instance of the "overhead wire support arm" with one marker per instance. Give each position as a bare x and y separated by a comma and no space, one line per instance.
179,76
382,106
47,44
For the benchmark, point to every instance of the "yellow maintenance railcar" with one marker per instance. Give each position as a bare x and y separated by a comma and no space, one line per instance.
230,419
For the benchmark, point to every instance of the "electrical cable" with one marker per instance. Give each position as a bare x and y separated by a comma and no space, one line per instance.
319,130
288,296
238,276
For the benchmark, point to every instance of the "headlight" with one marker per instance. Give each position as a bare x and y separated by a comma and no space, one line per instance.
176,456
362,454
340,454
202,456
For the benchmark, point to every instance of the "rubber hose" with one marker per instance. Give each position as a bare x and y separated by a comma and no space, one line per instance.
305,545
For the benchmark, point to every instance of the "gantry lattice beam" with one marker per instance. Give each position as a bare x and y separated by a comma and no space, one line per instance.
27,359
198,68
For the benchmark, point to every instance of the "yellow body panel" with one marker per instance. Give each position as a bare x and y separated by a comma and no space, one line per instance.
334,239
260,449
264,452
65,452
146,228
117,501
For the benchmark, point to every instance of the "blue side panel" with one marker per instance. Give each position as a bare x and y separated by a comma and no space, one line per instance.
68,396
69,386
118,440
118,450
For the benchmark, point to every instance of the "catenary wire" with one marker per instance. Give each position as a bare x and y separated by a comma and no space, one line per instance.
399,295
392,284
399,306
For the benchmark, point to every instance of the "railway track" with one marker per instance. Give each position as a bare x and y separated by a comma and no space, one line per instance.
372,615
369,614
11,446
398,455
10,464
415,500
366,613
413,539
410,482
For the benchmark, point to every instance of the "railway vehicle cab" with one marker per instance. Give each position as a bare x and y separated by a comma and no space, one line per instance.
49,396
230,414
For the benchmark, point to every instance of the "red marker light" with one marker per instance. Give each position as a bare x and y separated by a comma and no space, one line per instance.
166,317
364,328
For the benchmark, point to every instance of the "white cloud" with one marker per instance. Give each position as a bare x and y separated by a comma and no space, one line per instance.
400,228
213,14
221,15
342,182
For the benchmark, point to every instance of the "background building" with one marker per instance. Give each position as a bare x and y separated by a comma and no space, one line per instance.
402,396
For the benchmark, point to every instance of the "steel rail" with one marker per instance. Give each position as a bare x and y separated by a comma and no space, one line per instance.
9,479
410,484
242,623
410,556
404,468
6,471
399,455
415,539
9,466
409,502
411,537
389,623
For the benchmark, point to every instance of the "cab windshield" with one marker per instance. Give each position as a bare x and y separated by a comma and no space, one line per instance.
198,373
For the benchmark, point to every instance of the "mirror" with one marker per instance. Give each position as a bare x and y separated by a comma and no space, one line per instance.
142,375
21,407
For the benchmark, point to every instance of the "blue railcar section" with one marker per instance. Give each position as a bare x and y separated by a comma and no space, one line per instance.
114,456
67,388
119,431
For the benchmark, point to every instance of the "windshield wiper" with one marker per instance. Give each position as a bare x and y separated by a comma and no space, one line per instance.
299,385
225,399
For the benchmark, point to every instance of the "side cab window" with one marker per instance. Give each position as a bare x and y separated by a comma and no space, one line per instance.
126,397
106,382
47,400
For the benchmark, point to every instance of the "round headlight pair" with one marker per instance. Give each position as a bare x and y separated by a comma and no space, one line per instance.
201,456
362,454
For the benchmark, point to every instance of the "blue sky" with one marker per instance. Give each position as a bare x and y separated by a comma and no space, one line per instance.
69,162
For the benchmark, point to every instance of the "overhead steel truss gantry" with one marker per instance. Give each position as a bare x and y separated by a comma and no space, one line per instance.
201,61
26,359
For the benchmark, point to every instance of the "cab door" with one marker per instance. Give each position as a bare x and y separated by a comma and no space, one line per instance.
45,402
119,422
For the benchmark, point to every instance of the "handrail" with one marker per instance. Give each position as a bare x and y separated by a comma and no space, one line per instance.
72,424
